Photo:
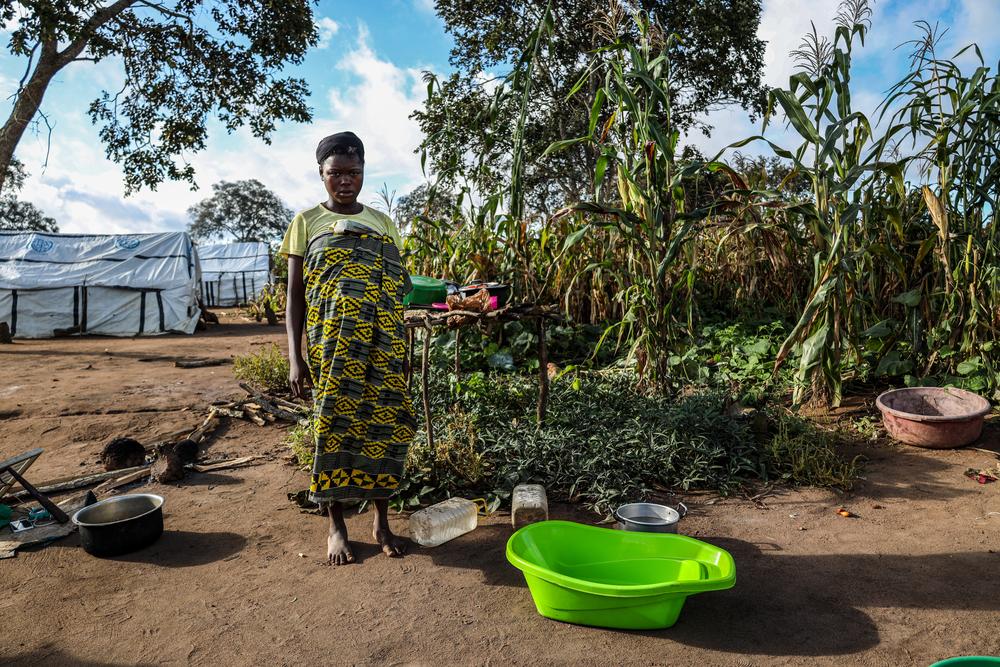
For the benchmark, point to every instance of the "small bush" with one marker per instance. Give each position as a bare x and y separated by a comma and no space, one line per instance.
267,368
800,453
303,446
603,442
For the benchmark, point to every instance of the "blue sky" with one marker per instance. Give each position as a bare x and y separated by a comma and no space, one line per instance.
366,75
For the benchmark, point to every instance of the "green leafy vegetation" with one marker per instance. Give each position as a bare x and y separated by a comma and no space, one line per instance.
267,368
300,441
605,443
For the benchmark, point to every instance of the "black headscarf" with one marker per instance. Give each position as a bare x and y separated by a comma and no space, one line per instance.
342,143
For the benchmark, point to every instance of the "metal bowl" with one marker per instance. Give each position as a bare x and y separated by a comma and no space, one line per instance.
649,517
121,524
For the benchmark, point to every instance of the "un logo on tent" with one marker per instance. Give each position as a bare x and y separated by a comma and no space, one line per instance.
41,245
127,243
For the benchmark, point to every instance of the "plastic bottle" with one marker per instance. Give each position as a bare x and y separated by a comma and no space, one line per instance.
528,505
444,521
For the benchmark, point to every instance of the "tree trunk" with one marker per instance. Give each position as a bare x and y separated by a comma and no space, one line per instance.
50,61
26,106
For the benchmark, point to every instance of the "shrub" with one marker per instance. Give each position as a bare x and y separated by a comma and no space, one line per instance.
303,446
604,443
267,368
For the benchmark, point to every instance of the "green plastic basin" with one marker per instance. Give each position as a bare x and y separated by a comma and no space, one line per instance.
426,291
613,578
969,661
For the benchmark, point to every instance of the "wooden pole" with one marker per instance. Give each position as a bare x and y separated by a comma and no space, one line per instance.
458,354
424,368
53,509
543,371
409,360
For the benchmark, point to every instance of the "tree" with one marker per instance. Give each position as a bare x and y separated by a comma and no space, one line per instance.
17,215
244,210
719,58
183,61
423,201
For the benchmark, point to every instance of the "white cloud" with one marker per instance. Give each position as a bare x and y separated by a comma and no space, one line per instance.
425,5
783,23
327,28
377,108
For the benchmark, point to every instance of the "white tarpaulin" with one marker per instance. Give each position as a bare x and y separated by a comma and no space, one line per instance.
233,273
56,284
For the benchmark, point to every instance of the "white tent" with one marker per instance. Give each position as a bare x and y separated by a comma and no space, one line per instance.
233,273
57,284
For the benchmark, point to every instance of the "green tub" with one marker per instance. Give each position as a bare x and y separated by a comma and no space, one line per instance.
612,578
969,661
426,291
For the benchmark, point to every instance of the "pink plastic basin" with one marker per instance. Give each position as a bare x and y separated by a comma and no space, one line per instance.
936,417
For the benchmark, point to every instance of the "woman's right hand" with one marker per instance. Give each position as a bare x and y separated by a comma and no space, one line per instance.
298,375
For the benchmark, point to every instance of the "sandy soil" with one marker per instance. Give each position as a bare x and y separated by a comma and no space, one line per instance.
238,577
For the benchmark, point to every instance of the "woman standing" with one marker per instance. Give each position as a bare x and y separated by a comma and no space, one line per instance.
345,287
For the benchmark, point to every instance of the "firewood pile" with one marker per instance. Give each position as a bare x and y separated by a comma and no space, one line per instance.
261,408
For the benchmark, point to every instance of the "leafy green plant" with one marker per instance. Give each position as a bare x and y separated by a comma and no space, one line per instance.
836,156
603,442
800,453
303,445
648,217
268,304
267,368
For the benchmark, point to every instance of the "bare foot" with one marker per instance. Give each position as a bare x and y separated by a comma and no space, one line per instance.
392,545
338,549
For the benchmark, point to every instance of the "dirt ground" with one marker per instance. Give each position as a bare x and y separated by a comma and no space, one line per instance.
238,576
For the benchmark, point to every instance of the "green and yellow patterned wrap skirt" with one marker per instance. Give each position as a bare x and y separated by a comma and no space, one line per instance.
362,413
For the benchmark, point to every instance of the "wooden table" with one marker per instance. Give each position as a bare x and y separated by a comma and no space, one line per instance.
428,320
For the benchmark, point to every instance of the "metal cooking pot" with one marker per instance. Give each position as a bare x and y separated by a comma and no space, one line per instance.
649,517
121,524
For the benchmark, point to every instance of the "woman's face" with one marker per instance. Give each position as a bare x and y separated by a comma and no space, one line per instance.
343,176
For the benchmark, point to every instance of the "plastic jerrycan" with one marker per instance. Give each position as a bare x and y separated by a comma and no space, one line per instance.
444,521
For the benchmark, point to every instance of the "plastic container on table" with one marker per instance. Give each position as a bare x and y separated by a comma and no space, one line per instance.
444,521
426,291
528,505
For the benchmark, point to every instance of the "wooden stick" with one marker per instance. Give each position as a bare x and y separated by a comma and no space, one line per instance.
210,423
424,367
294,407
231,463
265,403
458,355
68,484
255,418
54,510
543,372
121,481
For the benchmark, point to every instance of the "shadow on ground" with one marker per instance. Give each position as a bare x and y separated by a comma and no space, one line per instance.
783,604
50,655
810,604
182,548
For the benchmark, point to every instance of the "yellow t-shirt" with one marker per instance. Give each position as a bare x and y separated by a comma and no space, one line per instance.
318,219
